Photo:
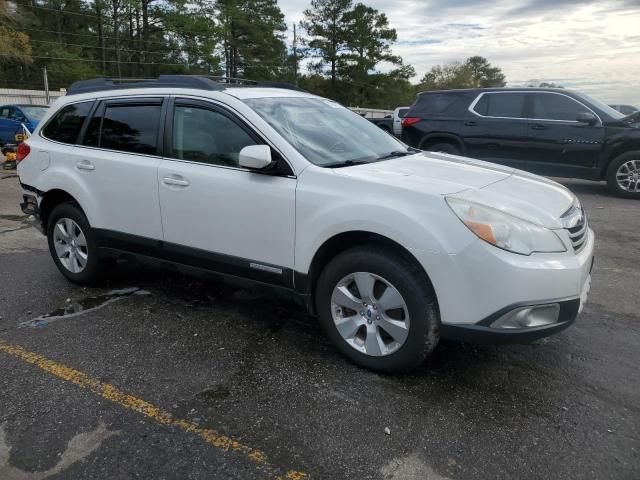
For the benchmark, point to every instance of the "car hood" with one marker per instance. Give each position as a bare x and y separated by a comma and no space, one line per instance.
518,193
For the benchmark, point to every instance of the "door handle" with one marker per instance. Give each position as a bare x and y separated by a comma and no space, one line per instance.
470,123
176,181
537,126
85,165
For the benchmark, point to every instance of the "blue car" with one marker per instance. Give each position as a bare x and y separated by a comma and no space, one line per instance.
12,116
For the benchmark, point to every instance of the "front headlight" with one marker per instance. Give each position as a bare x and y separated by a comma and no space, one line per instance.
504,231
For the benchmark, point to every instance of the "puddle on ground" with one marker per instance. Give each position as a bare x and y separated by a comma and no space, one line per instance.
80,307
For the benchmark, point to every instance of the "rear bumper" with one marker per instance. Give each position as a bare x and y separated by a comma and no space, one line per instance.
482,332
31,205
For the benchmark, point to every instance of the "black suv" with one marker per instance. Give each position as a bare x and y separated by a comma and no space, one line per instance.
553,132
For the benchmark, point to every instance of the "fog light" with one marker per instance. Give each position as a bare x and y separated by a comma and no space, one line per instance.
526,317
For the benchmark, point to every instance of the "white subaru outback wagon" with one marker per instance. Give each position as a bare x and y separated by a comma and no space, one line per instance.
392,248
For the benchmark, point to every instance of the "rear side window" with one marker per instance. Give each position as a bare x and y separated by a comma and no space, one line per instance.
440,104
126,127
65,125
510,105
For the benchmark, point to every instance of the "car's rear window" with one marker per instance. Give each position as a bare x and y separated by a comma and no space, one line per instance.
440,104
66,124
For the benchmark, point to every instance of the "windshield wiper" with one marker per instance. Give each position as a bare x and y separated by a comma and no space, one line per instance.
394,154
346,163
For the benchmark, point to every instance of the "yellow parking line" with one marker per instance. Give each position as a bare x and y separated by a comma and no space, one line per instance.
115,395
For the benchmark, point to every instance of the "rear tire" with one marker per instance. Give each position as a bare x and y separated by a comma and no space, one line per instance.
623,175
400,337
444,147
73,246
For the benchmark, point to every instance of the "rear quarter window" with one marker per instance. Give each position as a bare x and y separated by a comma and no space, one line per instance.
449,104
65,125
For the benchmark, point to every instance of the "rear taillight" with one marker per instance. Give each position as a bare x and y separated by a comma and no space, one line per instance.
408,121
23,151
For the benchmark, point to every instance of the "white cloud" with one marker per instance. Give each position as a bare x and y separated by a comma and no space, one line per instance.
592,46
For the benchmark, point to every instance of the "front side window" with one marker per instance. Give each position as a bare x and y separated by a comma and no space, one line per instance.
326,133
126,127
207,136
506,105
66,124
549,106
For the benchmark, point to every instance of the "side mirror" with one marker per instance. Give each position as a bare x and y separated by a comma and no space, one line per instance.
255,156
587,117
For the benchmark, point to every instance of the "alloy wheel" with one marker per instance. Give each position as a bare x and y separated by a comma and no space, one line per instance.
628,176
370,314
71,245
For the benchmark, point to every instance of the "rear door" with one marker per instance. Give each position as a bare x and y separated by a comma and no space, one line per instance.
117,166
216,214
495,128
558,143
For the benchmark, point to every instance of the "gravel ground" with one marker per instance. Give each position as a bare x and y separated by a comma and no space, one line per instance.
161,385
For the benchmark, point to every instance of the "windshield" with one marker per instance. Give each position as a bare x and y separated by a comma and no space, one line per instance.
326,133
34,113
604,108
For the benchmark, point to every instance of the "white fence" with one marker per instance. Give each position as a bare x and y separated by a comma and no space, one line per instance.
27,97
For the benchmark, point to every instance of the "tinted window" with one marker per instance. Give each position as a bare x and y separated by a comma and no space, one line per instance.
548,106
126,127
501,105
66,124
402,112
206,136
441,103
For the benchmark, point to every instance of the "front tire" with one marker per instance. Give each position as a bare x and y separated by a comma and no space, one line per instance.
72,244
378,309
623,175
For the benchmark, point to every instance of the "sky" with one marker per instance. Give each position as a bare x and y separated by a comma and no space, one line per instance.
587,45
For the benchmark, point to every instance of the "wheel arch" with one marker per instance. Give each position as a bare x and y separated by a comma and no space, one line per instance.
342,242
441,137
623,150
53,198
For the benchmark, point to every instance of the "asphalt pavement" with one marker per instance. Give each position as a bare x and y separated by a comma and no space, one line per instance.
159,375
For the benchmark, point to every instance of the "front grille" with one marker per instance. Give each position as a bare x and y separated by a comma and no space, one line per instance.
577,227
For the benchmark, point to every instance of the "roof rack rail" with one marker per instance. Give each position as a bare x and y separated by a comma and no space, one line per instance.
198,82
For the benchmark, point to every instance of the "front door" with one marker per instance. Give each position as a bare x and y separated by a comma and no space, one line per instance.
495,128
558,143
215,214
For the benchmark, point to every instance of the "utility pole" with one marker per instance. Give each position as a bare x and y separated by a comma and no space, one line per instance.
46,84
295,56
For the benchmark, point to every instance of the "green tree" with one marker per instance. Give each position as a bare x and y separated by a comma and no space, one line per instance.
484,74
475,72
252,34
368,43
326,27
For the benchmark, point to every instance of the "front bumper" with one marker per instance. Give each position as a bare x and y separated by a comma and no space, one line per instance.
483,333
482,283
